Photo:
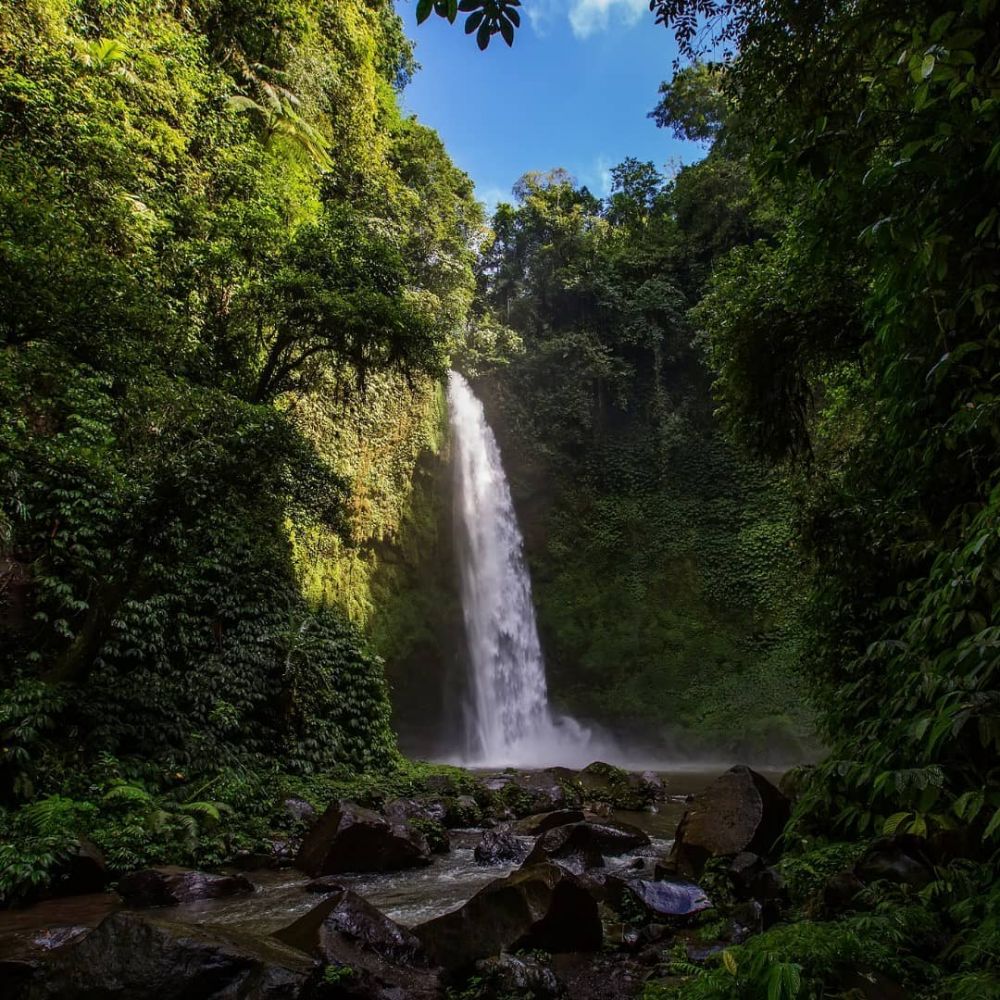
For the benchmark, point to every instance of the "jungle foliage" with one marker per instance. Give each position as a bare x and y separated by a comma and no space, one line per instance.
850,245
663,563
219,242
857,346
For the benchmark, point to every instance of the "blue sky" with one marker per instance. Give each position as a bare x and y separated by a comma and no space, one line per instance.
573,92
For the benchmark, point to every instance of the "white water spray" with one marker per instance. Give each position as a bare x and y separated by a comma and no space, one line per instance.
508,720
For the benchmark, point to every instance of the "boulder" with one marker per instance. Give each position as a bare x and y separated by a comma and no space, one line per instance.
542,907
652,786
518,975
752,878
532,826
349,838
666,899
523,794
499,846
369,955
299,810
169,885
583,845
133,956
610,785
400,811
740,811
347,917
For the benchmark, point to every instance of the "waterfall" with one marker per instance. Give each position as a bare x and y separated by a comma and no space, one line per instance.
508,719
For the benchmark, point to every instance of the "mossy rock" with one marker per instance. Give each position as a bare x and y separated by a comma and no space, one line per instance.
600,782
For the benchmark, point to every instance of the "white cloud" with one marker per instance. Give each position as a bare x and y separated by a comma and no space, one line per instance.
587,17
541,14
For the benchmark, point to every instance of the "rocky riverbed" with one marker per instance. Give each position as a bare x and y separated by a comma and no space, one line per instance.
548,883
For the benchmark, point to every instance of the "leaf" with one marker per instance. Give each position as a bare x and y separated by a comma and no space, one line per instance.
424,8
729,961
473,21
507,31
927,65
892,824
992,826
483,35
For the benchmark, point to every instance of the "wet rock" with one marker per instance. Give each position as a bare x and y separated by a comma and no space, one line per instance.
500,846
900,860
542,906
326,884
652,786
539,823
585,844
169,885
665,900
346,915
605,783
84,872
512,975
751,878
133,956
740,811
525,794
299,810
400,811
349,838
28,935
371,955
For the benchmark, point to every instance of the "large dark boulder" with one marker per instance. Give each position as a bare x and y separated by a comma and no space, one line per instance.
543,907
349,838
584,845
169,885
373,956
135,956
346,916
500,846
740,811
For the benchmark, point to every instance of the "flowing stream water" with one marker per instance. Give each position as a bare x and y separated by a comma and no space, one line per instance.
507,715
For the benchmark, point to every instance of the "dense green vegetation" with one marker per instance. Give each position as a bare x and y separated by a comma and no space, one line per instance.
757,408
856,344
849,237
663,563
224,256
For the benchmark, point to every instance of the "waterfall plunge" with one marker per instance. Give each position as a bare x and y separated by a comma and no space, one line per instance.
508,720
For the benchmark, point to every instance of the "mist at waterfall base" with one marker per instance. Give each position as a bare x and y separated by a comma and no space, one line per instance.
507,716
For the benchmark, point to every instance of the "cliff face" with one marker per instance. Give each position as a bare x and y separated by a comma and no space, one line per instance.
663,571
391,569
